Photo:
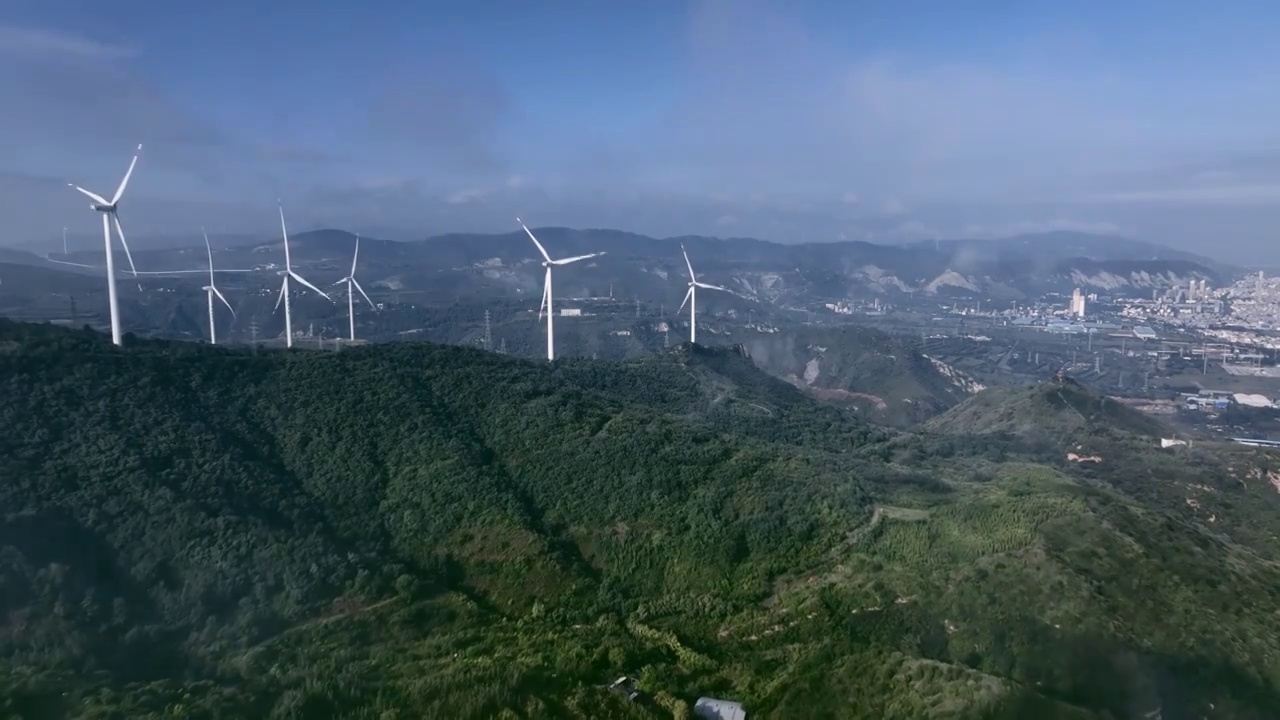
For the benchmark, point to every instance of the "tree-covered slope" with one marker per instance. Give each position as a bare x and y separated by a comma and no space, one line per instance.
424,531
883,375
1062,410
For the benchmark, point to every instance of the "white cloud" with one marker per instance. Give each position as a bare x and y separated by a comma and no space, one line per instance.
49,43
1214,194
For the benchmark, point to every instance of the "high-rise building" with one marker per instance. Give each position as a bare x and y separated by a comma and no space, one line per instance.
1077,303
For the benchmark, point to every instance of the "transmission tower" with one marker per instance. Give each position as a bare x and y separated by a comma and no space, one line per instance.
637,307
488,332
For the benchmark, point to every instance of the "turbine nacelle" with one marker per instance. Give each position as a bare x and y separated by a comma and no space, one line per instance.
103,208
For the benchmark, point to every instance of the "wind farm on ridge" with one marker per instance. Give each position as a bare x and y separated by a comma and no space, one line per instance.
288,275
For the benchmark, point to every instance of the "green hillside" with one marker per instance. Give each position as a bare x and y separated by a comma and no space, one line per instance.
1061,410
884,376
416,531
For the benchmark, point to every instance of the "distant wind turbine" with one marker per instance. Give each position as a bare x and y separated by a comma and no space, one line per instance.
351,282
212,290
64,241
287,273
109,214
691,297
548,263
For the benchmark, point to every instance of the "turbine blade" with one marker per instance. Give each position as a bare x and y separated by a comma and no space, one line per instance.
64,262
710,287
280,299
355,256
687,295
692,278
209,250
125,182
541,249
303,280
218,292
92,196
362,292
284,233
124,243
184,272
543,305
576,258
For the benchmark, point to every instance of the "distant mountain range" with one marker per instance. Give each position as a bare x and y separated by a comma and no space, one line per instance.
652,270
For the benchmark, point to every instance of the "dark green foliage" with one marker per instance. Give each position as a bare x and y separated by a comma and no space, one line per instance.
419,531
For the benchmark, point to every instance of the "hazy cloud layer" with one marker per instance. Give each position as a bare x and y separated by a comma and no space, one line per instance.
774,131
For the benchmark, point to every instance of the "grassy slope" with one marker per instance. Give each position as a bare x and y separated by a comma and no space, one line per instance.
419,531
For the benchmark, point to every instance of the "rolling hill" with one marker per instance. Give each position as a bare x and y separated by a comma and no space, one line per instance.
413,530
1061,410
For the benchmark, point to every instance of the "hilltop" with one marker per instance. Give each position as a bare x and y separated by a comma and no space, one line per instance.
1062,410
426,531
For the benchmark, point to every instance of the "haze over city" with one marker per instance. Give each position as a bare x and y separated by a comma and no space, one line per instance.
796,121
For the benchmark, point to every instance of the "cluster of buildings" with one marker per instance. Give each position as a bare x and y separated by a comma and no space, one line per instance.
1219,400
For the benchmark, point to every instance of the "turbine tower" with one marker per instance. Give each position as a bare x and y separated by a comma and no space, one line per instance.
548,263
287,273
691,297
351,282
211,290
109,214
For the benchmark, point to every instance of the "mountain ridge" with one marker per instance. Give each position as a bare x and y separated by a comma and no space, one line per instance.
795,275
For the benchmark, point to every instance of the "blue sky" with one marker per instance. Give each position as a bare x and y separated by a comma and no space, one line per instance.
789,121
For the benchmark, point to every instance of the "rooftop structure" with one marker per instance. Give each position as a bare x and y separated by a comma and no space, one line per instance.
713,709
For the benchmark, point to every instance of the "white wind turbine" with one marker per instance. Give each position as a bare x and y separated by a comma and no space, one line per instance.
691,297
109,214
548,263
287,273
212,290
351,282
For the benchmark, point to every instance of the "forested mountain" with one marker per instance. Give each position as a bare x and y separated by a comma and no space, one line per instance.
412,530
1061,410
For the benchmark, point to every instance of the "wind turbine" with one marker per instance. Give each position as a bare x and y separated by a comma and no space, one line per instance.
212,290
287,273
351,282
691,297
548,263
109,214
